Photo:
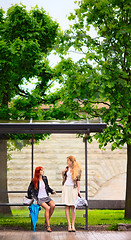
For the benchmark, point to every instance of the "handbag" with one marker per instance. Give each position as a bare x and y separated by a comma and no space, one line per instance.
80,202
27,201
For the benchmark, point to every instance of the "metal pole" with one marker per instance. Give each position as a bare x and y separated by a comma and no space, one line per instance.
86,182
32,157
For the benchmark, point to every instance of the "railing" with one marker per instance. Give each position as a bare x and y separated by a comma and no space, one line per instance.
21,204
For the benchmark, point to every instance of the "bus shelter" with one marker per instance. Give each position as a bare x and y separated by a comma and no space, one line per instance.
50,127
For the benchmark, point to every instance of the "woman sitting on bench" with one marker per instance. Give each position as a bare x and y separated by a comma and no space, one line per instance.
40,189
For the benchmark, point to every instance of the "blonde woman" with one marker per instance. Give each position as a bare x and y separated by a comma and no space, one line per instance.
71,189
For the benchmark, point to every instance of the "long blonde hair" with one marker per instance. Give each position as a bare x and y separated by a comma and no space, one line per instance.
76,168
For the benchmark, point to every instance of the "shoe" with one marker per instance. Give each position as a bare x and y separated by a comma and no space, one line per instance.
69,229
73,229
48,229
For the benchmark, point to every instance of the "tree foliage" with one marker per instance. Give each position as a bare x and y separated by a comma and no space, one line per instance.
99,83
27,38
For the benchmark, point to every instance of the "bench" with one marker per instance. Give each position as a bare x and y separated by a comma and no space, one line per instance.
23,205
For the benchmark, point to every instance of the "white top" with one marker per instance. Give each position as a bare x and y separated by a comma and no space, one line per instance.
42,192
69,180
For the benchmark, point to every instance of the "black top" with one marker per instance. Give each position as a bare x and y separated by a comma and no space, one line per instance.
33,193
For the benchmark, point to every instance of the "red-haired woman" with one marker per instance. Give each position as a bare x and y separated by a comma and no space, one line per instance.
71,189
40,189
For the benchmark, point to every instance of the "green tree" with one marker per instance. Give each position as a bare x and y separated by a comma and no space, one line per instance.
26,40
99,83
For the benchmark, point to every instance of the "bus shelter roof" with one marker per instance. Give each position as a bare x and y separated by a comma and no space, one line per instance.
50,127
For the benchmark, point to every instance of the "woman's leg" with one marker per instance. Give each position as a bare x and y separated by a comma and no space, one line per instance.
52,207
47,209
73,215
67,210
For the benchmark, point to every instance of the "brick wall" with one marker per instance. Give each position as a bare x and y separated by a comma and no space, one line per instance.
106,169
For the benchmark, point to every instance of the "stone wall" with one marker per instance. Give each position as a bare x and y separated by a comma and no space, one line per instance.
106,169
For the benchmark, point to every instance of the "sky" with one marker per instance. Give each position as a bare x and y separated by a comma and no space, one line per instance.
57,9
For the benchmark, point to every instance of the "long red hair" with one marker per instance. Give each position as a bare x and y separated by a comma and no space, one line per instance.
36,176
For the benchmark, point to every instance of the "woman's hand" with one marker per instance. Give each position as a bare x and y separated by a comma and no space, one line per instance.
54,192
79,195
78,185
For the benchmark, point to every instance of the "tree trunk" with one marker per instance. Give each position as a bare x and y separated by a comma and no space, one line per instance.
128,184
3,177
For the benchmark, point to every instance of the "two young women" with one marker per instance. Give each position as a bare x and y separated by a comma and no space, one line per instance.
40,189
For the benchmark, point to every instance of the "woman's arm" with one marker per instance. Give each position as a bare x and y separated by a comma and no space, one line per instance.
63,172
49,189
31,191
78,185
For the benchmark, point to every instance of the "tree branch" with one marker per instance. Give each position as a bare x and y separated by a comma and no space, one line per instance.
93,102
21,92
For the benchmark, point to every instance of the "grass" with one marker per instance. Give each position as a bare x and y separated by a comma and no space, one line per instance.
21,218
